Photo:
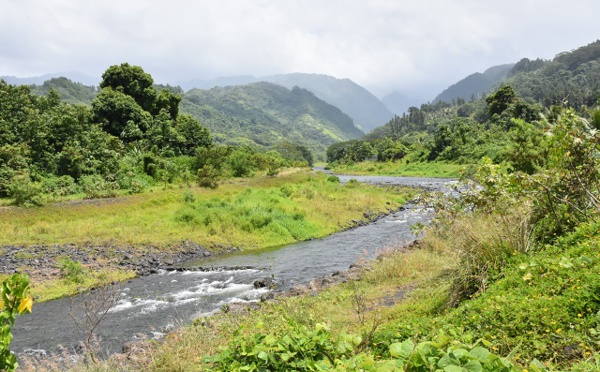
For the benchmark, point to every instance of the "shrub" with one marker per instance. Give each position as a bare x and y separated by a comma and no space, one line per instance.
189,197
96,187
301,349
59,187
208,176
71,271
24,191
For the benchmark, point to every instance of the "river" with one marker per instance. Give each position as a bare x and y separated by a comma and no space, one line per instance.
150,306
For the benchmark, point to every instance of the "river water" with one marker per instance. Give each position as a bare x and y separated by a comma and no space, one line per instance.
150,306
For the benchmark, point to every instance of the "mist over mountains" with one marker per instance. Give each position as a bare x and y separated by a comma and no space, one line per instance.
367,111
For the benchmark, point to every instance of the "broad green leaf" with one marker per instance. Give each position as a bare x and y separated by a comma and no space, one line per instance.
460,352
402,349
390,366
453,368
479,353
262,355
473,366
445,361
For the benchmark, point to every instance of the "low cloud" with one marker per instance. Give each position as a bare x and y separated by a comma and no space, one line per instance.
415,46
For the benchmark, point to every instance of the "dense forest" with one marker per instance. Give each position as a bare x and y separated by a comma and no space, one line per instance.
132,136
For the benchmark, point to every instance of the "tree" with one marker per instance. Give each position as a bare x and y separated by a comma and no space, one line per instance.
116,111
501,100
131,81
527,150
193,134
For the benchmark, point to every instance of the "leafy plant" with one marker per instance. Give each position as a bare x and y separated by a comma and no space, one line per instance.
71,271
24,191
303,348
96,187
15,300
446,355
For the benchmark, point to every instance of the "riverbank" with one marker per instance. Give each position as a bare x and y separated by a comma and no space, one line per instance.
403,169
540,307
395,277
136,235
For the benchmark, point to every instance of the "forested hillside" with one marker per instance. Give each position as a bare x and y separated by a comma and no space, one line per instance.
474,86
367,111
572,77
265,114
67,90
364,108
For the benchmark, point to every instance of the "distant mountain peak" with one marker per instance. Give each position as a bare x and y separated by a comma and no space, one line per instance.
74,76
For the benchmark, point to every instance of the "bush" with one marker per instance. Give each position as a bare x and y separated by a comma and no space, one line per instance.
301,349
59,187
208,176
96,187
71,271
24,191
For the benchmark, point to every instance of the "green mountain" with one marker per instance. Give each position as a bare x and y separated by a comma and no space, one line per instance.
265,114
474,85
39,80
67,90
361,105
572,77
364,108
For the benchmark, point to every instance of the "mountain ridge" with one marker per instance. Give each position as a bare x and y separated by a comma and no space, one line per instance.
367,111
264,114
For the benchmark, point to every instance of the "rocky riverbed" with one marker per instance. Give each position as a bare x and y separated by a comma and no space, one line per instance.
43,261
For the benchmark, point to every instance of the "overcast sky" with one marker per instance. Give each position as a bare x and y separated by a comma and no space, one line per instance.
418,47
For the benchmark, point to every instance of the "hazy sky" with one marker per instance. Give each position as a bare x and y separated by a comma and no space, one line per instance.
416,46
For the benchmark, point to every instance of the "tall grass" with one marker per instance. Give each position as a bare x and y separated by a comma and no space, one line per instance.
401,168
481,244
247,213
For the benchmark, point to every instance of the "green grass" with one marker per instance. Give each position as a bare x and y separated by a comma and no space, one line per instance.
545,306
56,288
400,168
247,213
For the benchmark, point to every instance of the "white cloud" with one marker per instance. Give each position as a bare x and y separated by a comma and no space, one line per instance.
414,45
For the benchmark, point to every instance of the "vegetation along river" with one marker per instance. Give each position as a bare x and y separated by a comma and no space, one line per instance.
152,305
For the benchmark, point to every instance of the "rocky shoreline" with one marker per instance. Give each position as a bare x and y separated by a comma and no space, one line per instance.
43,261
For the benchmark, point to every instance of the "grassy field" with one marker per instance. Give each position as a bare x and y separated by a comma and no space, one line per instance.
400,168
247,213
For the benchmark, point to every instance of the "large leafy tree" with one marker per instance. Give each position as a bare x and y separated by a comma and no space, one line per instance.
130,107
501,100
120,115
192,134
133,82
